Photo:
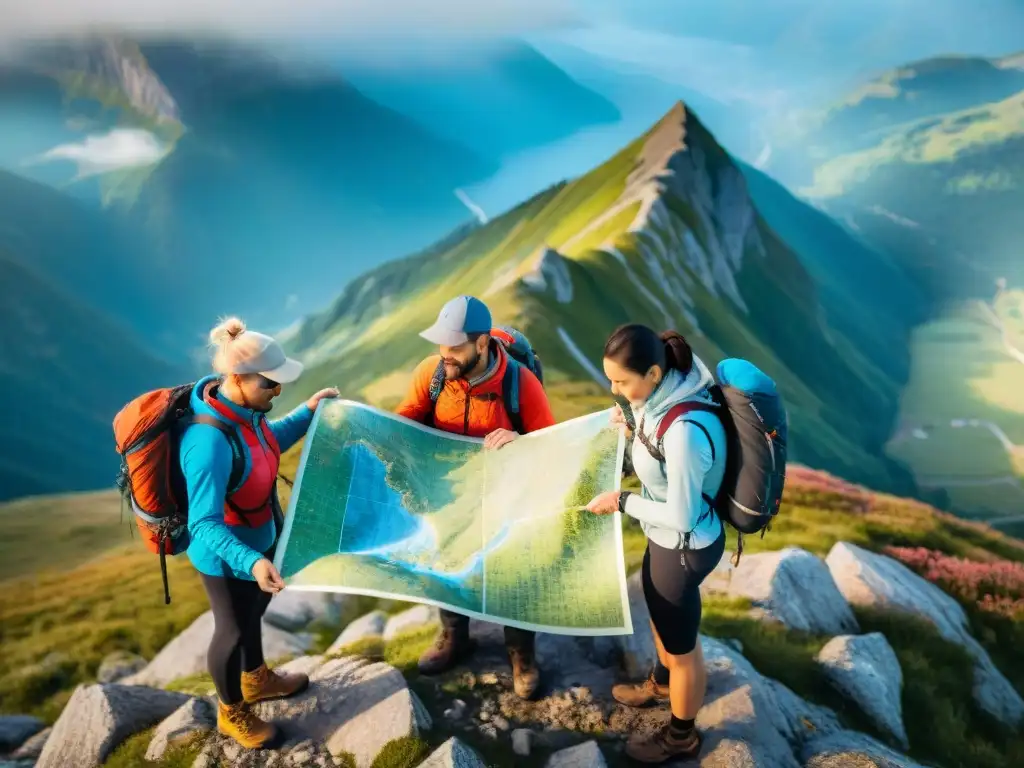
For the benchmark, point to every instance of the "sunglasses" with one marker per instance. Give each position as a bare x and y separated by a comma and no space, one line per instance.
266,383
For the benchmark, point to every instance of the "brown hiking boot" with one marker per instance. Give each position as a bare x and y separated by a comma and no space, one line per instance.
240,723
452,646
525,673
664,745
265,683
640,694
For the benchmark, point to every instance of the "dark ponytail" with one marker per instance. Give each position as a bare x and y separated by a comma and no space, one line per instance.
637,347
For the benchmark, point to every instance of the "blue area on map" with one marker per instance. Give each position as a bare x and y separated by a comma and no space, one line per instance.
378,525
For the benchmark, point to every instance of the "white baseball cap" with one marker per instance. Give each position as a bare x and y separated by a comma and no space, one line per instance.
457,319
254,352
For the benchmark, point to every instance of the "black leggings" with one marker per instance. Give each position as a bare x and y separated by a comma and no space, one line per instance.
238,606
672,579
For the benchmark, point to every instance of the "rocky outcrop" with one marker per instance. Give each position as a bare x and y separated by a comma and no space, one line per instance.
418,617
873,580
585,755
367,627
185,655
453,754
295,610
864,668
99,717
796,588
191,719
119,665
16,729
550,272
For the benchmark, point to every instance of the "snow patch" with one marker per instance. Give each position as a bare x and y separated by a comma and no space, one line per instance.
551,271
580,358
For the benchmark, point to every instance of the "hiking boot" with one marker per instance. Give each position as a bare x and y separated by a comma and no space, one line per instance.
452,646
640,694
265,683
664,745
525,674
239,722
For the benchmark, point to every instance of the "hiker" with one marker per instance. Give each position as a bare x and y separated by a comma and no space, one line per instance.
232,536
685,538
466,390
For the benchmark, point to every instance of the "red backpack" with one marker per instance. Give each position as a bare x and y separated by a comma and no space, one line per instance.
147,433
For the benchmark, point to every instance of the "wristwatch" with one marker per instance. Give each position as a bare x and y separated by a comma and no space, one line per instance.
623,495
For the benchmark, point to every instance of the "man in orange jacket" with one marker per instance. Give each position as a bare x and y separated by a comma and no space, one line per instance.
471,402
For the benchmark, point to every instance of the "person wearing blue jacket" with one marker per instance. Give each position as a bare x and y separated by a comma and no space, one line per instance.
685,537
230,471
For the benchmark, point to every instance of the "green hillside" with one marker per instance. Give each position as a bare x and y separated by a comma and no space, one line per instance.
628,241
68,368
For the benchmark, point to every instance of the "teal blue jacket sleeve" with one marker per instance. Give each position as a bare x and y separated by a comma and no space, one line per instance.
206,465
288,429
687,461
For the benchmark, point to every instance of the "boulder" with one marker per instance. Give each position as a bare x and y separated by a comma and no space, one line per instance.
294,609
15,730
408,620
586,755
118,665
33,748
796,588
864,668
185,655
99,717
351,705
193,717
873,580
849,749
453,754
365,627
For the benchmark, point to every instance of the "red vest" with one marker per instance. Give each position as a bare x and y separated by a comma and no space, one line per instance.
250,504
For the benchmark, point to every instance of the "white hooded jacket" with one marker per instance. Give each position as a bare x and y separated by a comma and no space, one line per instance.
672,503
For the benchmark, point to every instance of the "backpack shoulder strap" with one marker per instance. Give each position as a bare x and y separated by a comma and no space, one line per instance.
510,395
681,409
434,392
237,462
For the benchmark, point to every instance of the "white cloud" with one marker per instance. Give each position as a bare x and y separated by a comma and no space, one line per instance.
278,19
101,153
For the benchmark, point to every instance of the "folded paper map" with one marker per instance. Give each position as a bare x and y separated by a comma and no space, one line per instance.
387,507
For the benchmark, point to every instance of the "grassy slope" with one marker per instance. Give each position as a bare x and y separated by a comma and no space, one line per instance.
825,376
55,628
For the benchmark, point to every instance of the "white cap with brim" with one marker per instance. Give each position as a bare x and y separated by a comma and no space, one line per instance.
258,353
457,319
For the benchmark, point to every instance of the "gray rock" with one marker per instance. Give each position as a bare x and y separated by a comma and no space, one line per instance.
33,748
869,579
119,665
413,618
295,609
637,650
351,705
193,717
16,729
522,741
864,668
796,588
99,717
185,655
365,627
848,749
424,722
453,754
456,711
586,755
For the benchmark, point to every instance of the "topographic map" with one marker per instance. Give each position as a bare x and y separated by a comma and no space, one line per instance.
384,506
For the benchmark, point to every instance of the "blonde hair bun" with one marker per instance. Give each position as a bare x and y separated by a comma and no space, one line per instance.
226,331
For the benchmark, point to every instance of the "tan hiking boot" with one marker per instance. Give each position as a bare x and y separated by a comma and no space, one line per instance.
239,722
265,683
640,694
453,645
525,674
664,745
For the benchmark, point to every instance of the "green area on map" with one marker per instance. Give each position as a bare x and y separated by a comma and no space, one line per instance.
386,507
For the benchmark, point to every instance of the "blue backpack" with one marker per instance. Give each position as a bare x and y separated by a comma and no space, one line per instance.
520,352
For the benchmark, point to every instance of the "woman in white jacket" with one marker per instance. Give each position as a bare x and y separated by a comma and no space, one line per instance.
685,537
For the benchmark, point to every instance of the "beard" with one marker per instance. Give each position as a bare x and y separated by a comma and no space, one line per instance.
461,368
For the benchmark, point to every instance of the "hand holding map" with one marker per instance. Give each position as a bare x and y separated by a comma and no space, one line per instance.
384,506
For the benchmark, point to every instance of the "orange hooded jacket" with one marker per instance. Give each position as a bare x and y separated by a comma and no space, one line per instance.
478,410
